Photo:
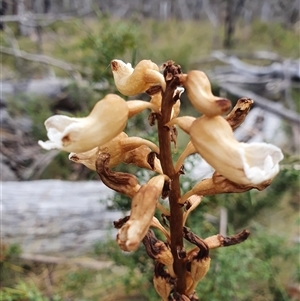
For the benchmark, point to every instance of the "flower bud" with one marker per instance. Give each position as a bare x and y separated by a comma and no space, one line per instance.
199,93
143,206
131,81
82,134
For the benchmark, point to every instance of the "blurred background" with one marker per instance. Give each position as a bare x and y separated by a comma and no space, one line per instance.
57,241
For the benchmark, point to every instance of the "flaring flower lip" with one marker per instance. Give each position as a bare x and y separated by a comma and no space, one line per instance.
239,162
107,119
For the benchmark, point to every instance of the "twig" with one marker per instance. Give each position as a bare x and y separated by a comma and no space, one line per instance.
41,58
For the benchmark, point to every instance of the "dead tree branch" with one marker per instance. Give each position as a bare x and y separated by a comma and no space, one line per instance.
264,103
44,59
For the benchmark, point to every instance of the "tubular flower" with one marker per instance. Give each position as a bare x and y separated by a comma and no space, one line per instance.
199,92
143,206
83,134
118,149
235,118
241,163
131,81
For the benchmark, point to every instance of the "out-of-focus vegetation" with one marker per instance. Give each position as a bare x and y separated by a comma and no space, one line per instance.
260,269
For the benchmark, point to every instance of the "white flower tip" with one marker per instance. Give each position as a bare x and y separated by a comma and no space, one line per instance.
48,145
266,166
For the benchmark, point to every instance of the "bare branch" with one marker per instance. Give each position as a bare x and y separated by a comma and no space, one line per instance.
264,103
44,59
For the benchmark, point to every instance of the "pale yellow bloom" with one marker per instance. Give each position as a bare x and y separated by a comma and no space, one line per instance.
131,81
199,92
107,119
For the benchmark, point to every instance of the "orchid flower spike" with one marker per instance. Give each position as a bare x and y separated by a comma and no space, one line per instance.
118,149
241,163
143,207
199,93
82,134
131,81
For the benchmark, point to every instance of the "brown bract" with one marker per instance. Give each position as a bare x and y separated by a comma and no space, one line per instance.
198,262
219,184
240,111
159,251
163,283
121,182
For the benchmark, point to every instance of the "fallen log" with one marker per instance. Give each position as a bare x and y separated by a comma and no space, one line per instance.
57,217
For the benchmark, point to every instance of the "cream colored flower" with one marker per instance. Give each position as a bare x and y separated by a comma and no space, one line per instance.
199,92
142,210
107,119
239,162
131,81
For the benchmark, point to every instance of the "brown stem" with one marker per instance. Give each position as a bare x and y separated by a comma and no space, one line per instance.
176,218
